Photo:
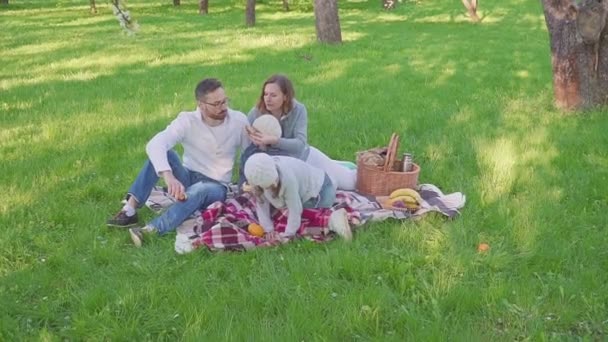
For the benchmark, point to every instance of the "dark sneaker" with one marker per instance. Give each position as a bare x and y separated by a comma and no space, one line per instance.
137,234
122,220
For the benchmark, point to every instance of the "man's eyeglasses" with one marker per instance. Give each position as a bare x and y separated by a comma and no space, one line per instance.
218,104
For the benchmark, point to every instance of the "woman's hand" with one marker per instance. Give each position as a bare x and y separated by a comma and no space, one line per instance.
251,132
260,139
254,137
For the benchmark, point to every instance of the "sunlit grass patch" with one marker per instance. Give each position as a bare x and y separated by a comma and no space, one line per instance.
497,163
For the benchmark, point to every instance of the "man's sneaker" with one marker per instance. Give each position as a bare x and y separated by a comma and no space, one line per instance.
137,234
338,223
122,220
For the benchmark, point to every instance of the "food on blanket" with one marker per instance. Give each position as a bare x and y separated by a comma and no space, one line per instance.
483,247
255,230
404,202
406,192
405,198
397,204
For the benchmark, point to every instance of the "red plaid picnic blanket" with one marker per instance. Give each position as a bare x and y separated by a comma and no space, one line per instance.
223,226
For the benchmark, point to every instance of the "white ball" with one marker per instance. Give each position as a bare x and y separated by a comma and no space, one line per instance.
268,124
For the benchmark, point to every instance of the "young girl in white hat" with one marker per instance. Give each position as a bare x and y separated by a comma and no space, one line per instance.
287,182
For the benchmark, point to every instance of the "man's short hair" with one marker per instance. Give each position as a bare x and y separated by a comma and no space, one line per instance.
206,86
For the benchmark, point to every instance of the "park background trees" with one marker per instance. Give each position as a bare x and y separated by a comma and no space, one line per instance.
579,52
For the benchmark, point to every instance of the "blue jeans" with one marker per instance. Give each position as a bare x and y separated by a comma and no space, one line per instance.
326,197
201,191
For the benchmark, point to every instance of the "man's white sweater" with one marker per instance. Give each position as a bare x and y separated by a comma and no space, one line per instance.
208,150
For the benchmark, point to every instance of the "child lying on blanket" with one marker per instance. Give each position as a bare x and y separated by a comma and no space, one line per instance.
283,181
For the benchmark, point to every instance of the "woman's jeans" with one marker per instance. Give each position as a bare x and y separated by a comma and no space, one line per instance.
326,198
201,191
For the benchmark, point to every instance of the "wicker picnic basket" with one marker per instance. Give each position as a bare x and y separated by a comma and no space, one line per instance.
382,180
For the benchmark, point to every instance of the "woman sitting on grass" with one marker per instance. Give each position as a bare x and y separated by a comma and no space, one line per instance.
277,99
286,182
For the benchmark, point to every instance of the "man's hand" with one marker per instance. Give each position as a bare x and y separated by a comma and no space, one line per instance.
174,186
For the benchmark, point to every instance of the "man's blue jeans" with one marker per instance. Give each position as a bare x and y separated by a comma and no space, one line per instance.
201,191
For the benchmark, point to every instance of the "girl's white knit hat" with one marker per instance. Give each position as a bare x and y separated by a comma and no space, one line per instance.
260,170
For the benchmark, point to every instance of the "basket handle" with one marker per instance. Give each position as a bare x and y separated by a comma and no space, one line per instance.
393,145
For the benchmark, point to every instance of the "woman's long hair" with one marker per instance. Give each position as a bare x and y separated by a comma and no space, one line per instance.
286,88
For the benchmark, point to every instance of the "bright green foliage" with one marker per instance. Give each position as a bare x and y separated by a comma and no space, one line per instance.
79,99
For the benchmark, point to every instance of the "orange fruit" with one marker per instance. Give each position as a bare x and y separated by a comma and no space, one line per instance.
255,230
483,247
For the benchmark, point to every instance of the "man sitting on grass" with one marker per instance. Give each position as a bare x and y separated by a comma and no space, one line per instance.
210,137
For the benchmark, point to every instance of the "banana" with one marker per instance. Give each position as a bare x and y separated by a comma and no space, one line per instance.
406,202
396,203
412,206
397,192
406,192
405,199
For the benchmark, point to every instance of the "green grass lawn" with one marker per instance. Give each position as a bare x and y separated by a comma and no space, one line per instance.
79,99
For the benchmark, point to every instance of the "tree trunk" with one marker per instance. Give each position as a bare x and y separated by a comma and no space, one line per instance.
471,6
250,13
580,69
327,21
203,7
3,2
176,2
92,5
285,6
